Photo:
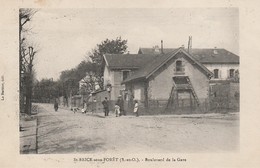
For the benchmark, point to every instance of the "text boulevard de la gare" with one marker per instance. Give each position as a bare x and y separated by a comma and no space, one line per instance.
133,159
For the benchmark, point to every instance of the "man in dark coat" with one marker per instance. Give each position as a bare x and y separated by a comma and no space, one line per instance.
105,105
56,105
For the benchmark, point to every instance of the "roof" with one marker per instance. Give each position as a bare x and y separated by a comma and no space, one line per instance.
127,61
203,55
149,68
152,50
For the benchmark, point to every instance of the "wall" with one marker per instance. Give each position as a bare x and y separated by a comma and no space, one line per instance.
161,84
223,69
107,76
116,78
224,97
99,97
199,80
113,77
138,88
116,84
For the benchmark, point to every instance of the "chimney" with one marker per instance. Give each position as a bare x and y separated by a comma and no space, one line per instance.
189,44
162,46
215,50
156,49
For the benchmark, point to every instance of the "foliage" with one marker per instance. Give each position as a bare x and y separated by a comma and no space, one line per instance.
45,90
117,46
84,78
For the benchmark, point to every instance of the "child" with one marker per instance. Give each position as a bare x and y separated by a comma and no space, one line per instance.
136,108
84,110
117,110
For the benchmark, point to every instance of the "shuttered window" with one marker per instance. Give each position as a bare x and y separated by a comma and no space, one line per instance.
216,73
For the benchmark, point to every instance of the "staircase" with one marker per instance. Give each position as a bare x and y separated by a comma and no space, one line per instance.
183,83
193,91
171,98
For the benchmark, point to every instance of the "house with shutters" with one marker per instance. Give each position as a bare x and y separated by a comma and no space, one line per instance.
169,79
222,63
163,77
118,67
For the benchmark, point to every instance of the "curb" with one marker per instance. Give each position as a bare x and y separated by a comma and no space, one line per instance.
28,137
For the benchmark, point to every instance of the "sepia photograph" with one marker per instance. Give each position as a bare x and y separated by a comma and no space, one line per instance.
129,80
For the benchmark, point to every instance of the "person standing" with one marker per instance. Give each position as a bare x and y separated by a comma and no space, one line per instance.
136,108
56,105
117,110
105,105
120,103
84,110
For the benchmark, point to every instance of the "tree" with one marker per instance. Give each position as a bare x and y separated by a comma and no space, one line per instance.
117,46
89,73
45,90
26,57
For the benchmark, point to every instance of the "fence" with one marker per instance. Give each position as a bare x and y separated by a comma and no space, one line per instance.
222,98
180,106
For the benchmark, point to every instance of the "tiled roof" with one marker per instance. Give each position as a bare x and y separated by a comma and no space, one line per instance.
127,61
203,55
214,56
153,51
148,69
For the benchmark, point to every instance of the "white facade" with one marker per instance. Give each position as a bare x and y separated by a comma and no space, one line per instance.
222,71
114,78
107,76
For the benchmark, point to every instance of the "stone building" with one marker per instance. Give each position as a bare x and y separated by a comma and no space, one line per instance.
221,62
169,79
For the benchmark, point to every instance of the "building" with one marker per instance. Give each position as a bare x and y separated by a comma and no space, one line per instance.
168,78
171,80
222,63
118,67
159,77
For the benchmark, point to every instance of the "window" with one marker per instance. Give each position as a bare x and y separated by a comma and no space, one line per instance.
231,73
179,66
125,74
216,75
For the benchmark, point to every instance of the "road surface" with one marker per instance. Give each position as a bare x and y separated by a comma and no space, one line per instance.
65,132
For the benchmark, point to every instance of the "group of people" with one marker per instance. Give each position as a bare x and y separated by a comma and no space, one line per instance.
119,107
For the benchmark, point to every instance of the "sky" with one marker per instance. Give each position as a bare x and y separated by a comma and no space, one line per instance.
65,36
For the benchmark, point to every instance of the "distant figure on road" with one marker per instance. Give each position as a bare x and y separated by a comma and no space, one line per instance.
105,105
120,103
85,108
136,108
56,105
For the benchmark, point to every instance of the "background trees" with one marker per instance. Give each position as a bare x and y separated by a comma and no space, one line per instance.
85,78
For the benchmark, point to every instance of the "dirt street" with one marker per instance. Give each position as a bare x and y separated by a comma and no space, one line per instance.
66,132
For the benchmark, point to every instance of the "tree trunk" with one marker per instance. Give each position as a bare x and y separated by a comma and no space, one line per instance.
28,95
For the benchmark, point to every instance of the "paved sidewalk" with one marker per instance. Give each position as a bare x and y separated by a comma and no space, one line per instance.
28,135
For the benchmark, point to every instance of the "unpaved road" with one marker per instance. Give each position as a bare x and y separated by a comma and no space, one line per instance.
66,132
